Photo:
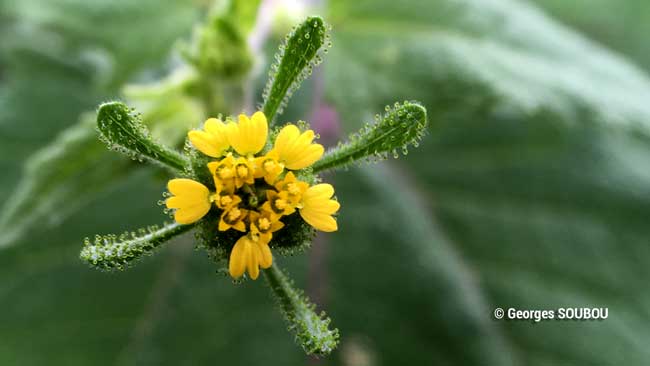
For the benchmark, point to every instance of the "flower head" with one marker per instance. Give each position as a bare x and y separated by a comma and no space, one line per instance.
255,189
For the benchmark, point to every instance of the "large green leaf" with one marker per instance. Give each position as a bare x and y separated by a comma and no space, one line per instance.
621,25
58,63
537,167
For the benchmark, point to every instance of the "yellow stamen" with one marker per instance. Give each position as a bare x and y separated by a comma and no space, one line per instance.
225,173
234,214
293,189
242,171
269,165
226,200
280,204
263,223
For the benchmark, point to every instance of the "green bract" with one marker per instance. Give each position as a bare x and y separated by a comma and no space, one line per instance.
399,127
294,63
122,130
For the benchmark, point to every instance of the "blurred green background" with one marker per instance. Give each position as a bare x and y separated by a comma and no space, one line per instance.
531,190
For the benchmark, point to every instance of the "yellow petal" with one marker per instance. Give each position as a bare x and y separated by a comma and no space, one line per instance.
249,135
321,191
296,150
183,186
191,200
213,141
252,263
317,207
188,215
285,139
265,256
319,220
307,157
237,263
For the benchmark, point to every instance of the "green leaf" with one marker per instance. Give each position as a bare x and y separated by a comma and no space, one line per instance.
56,59
536,172
58,180
399,127
117,252
295,61
122,130
389,255
311,329
113,51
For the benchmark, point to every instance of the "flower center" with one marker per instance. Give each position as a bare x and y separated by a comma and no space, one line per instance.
269,165
263,223
242,171
225,173
234,214
293,189
280,204
226,200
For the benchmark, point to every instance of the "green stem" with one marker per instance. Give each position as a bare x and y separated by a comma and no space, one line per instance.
122,130
311,329
297,58
117,252
399,127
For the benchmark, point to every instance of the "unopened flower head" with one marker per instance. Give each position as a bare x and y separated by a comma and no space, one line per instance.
253,190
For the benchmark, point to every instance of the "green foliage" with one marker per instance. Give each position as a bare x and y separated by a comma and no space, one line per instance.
116,252
54,58
60,179
311,329
294,63
532,193
534,174
122,130
399,127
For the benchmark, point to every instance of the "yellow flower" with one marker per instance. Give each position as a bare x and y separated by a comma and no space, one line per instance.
278,203
248,137
293,187
225,199
233,218
213,141
268,167
223,172
249,253
191,200
245,202
295,150
264,224
244,172
316,207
